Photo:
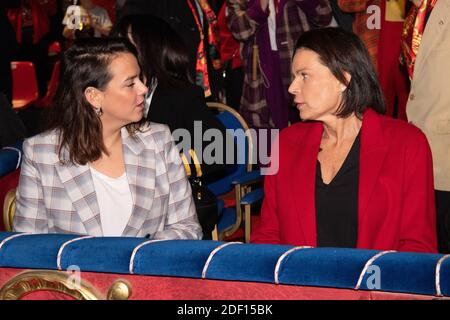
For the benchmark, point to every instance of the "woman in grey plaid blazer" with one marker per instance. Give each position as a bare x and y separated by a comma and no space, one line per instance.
97,125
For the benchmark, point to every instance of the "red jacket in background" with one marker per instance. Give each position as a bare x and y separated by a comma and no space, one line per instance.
41,10
228,47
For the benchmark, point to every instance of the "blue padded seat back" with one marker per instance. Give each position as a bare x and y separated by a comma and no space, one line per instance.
249,262
101,254
445,277
35,251
406,272
324,267
179,258
226,219
224,185
4,235
10,158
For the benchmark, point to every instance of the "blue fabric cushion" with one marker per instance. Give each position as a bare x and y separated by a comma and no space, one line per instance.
324,267
405,272
101,254
9,161
226,219
253,197
224,185
180,258
36,251
4,235
246,262
445,277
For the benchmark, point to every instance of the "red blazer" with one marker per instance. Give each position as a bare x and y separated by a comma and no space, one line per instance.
396,205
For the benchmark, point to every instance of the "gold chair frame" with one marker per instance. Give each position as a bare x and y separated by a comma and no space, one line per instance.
240,190
9,208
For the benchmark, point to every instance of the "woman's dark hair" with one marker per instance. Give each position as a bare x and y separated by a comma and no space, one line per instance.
85,64
342,51
162,52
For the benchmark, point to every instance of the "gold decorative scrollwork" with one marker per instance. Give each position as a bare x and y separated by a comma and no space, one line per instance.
59,281
119,290
9,208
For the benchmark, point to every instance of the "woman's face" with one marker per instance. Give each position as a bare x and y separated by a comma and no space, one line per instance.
122,101
317,92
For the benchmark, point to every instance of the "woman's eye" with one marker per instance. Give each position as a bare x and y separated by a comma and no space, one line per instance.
304,76
131,85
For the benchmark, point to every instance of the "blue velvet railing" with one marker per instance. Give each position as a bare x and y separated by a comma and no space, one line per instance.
323,267
10,158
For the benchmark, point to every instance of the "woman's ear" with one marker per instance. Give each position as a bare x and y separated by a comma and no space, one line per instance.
342,86
348,77
93,96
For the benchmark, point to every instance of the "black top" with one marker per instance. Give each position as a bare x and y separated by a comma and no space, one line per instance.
178,15
180,108
337,203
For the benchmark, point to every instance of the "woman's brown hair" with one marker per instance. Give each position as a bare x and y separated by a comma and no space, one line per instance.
342,51
85,64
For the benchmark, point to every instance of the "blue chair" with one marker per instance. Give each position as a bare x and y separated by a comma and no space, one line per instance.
239,177
10,157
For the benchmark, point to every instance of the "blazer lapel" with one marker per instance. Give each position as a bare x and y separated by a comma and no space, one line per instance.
436,25
372,154
140,167
77,181
303,182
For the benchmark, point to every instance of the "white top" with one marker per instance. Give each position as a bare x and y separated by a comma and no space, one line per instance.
114,201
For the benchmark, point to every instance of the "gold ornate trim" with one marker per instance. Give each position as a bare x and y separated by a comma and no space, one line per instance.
9,208
119,290
62,282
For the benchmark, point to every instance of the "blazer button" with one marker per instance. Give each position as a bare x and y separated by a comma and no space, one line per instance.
441,22
411,96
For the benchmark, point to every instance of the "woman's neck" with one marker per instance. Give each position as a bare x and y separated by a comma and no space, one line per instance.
111,139
341,129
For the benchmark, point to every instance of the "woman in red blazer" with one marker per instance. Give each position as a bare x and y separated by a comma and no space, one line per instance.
348,176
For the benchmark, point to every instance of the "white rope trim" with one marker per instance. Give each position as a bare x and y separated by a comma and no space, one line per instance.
368,264
18,151
282,257
212,254
438,275
12,237
131,266
61,249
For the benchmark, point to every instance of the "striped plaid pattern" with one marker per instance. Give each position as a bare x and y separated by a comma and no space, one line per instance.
298,16
53,197
370,37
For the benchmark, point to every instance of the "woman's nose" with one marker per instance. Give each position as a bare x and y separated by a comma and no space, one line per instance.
143,88
293,88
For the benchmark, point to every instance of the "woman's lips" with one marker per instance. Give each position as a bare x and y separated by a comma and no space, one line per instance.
300,104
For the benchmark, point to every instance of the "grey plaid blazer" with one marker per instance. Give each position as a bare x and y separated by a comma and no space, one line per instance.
53,197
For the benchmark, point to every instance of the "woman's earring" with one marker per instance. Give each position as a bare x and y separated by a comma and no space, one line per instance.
98,111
